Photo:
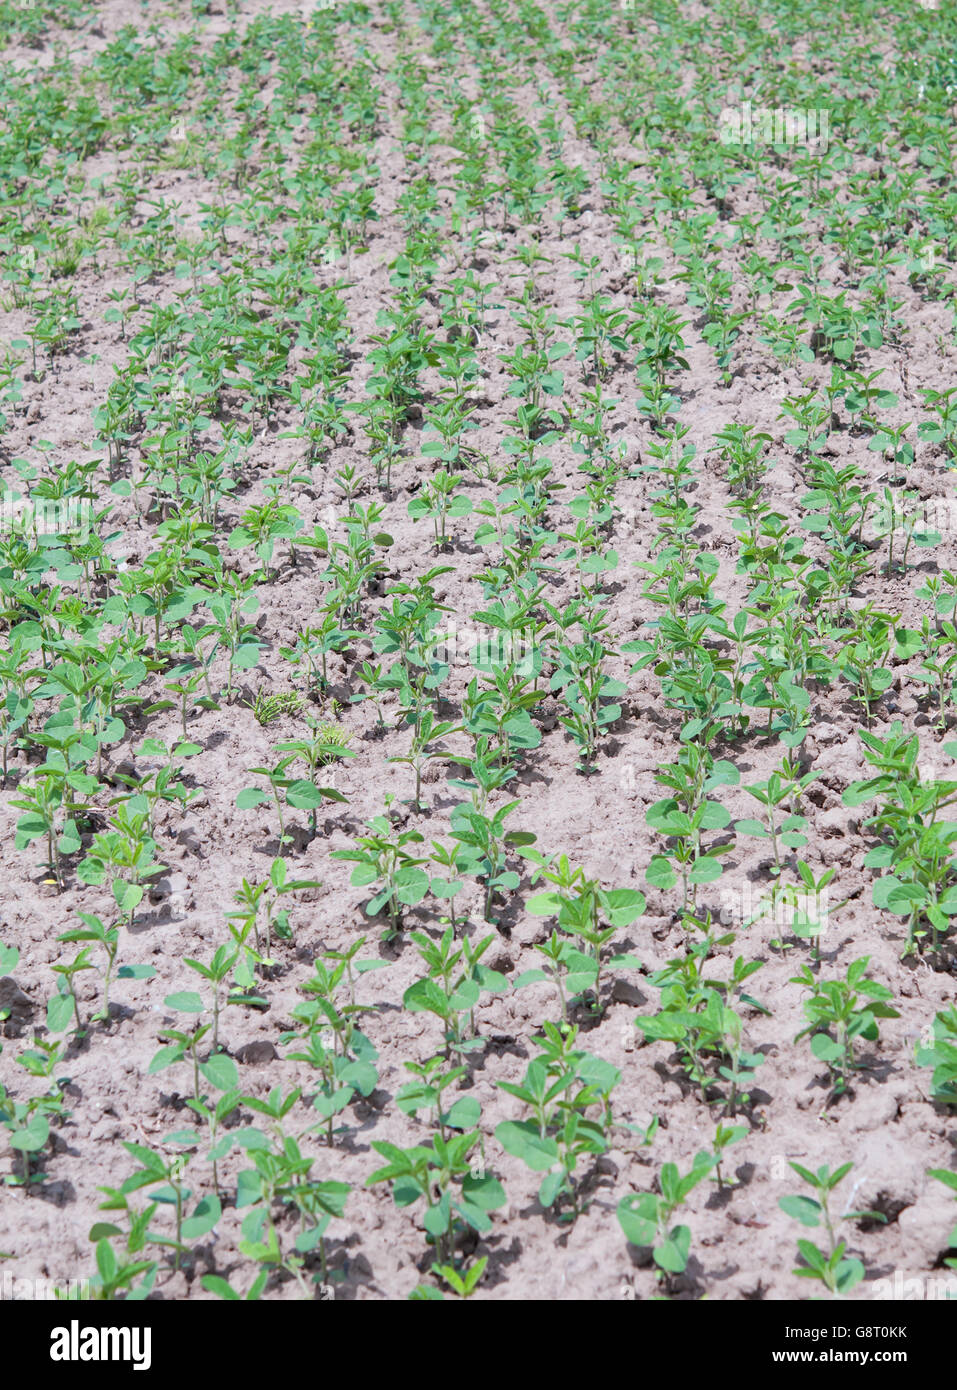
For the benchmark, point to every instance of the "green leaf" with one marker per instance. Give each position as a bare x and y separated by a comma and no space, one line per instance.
672,1254
544,905
529,977
625,906
247,656
426,995
638,1217
660,874
803,1209
705,870
465,1113
850,1272
486,1193
751,827
204,1218
304,796
106,1261
825,1048
128,895
521,1139
551,1188
215,1283
136,972
59,1012
897,897
251,796
185,1002
103,1230
220,1071
33,1136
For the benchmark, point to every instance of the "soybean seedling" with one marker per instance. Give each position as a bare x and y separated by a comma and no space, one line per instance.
382,859
781,830
258,911
109,939
28,1126
939,1050
455,1194
65,1002
214,973
837,1272
949,1179
841,1011
425,733
724,1137
425,1093
299,793
806,905
166,1175
560,1087
446,888
645,1217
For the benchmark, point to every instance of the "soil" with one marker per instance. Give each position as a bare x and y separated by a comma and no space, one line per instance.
743,1244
